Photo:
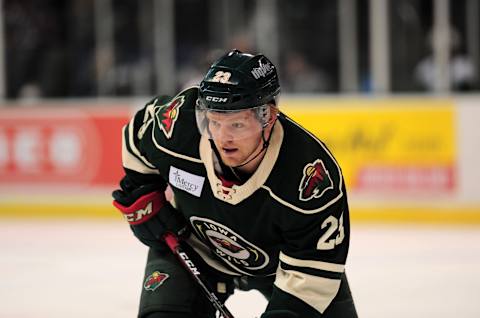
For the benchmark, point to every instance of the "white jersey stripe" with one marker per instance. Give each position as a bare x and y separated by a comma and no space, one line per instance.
170,152
293,207
331,267
316,291
133,163
174,154
131,143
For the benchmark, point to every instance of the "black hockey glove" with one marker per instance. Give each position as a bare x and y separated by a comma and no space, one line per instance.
279,314
150,215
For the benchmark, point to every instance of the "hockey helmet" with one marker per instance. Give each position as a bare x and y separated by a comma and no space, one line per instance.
237,82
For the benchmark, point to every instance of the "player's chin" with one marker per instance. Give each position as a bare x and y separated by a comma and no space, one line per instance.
231,161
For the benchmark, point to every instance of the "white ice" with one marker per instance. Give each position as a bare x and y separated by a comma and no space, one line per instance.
94,269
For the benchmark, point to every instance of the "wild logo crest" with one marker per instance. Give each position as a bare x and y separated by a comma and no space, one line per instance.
315,181
167,115
154,280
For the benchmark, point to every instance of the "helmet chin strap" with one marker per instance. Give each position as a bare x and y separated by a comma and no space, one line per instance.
266,143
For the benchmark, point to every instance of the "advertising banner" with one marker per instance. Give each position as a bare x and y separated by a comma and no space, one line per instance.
400,147
64,147
402,158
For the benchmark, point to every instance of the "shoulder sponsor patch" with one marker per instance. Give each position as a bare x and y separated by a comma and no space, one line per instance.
186,181
154,280
167,115
315,181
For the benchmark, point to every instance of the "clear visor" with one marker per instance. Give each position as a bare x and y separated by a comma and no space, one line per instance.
228,125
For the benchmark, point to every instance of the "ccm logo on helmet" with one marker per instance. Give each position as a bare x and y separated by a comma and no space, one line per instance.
216,99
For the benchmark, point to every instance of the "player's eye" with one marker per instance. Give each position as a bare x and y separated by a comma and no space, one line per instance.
214,124
238,125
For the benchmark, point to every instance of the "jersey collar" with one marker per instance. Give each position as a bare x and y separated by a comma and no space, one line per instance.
237,193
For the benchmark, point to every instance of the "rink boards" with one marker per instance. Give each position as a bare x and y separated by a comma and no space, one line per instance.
404,159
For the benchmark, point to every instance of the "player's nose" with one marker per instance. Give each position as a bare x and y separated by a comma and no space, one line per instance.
225,134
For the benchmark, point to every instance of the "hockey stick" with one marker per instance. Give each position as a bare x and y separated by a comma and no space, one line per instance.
174,245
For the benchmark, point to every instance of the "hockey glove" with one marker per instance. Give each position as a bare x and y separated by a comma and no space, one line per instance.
279,314
150,215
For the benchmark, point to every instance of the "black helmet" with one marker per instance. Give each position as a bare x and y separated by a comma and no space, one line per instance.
238,81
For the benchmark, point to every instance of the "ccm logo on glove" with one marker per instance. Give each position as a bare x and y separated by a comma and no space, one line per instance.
143,208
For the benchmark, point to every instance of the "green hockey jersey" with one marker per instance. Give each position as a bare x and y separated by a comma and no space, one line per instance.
289,219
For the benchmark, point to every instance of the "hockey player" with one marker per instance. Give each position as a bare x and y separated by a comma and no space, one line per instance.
259,201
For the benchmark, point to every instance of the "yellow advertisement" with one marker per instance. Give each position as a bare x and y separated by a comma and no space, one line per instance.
385,145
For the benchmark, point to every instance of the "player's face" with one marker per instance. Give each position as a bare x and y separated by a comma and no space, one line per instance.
236,135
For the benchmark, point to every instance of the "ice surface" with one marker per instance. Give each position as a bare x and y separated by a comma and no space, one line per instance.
94,269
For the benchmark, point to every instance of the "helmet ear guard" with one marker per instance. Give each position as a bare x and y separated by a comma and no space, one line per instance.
264,114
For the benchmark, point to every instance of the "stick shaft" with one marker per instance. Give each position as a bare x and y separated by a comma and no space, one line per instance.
174,245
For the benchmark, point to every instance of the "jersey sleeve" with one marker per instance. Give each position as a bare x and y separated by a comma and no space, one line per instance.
159,133
313,217
312,262
136,140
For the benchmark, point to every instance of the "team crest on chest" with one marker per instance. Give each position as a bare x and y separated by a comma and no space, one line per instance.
167,115
230,246
315,181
